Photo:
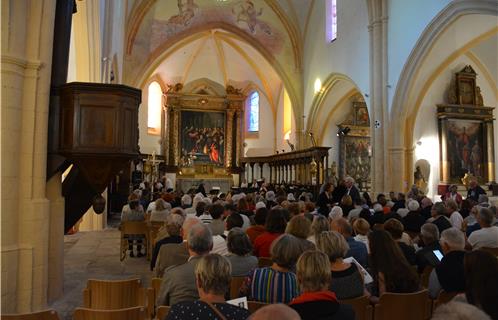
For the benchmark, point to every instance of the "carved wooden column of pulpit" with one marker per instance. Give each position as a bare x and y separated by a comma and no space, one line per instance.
99,136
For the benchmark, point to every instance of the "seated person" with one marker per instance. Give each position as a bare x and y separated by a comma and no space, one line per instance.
347,281
133,211
429,235
319,224
259,227
357,249
217,225
300,227
316,301
361,229
178,282
395,228
212,277
161,210
439,218
172,254
275,225
390,270
449,274
240,253
413,221
219,241
275,311
174,224
275,284
487,236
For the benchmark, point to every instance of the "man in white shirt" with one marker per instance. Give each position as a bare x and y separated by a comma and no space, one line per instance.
219,241
487,236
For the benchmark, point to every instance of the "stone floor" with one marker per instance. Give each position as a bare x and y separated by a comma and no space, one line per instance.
94,255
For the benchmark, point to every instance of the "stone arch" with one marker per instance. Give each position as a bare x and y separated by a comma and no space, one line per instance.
403,106
318,103
177,42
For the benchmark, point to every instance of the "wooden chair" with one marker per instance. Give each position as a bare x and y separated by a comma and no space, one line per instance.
113,294
361,307
255,305
40,315
153,228
264,262
162,312
133,228
235,285
136,313
152,293
493,251
443,297
424,277
406,306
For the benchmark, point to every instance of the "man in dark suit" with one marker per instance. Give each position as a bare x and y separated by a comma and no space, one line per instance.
429,234
439,217
352,190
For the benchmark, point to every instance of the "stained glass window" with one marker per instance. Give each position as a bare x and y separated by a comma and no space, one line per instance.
253,112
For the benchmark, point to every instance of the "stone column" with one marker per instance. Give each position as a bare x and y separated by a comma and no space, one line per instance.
445,163
377,28
229,139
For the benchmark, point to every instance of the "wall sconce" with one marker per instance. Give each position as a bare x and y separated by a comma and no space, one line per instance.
343,131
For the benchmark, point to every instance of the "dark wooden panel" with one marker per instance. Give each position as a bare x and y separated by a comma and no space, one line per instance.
96,127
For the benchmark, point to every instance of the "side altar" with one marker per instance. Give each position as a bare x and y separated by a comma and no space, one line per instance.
202,140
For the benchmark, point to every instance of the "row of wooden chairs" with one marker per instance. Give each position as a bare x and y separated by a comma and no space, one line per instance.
148,229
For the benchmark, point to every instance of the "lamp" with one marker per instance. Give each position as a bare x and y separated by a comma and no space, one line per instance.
343,131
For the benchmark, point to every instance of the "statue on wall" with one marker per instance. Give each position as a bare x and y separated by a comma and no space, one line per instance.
418,178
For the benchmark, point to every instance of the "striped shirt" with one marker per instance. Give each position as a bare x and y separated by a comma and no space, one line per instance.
271,286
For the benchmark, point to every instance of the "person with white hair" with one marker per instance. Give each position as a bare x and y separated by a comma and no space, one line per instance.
173,227
161,210
449,275
179,282
460,311
351,189
487,236
335,213
413,221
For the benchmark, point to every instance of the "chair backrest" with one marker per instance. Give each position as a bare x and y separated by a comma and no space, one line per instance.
264,262
162,312
424,278
40,315
493,251
406,306
152,293
113,294
361,307
235,285
136,313
255,305
444,297
134,227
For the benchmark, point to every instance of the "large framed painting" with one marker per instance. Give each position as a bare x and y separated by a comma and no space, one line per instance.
465,149
355,158
202,138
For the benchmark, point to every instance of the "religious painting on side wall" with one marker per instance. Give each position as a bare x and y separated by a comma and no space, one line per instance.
356,151
465,149
202,138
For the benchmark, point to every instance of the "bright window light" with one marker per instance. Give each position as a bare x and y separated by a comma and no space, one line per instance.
154,106
253,112
318,85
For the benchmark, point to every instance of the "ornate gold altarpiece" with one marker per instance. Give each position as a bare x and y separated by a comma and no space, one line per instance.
465,132
355,146
203,99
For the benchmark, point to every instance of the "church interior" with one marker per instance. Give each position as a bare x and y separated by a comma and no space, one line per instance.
334,115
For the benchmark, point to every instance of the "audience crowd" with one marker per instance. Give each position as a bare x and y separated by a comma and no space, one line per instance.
342,246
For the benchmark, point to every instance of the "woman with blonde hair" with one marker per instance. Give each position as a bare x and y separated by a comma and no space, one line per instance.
319,224
161,210
347,280
300,227
316,301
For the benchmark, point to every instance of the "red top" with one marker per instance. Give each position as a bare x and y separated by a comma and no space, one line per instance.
254,231
314,296
263,243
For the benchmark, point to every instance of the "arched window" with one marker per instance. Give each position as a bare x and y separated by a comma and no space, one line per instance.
253,112
331,10
154,108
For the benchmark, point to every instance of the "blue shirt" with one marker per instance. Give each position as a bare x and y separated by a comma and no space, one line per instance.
357,250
